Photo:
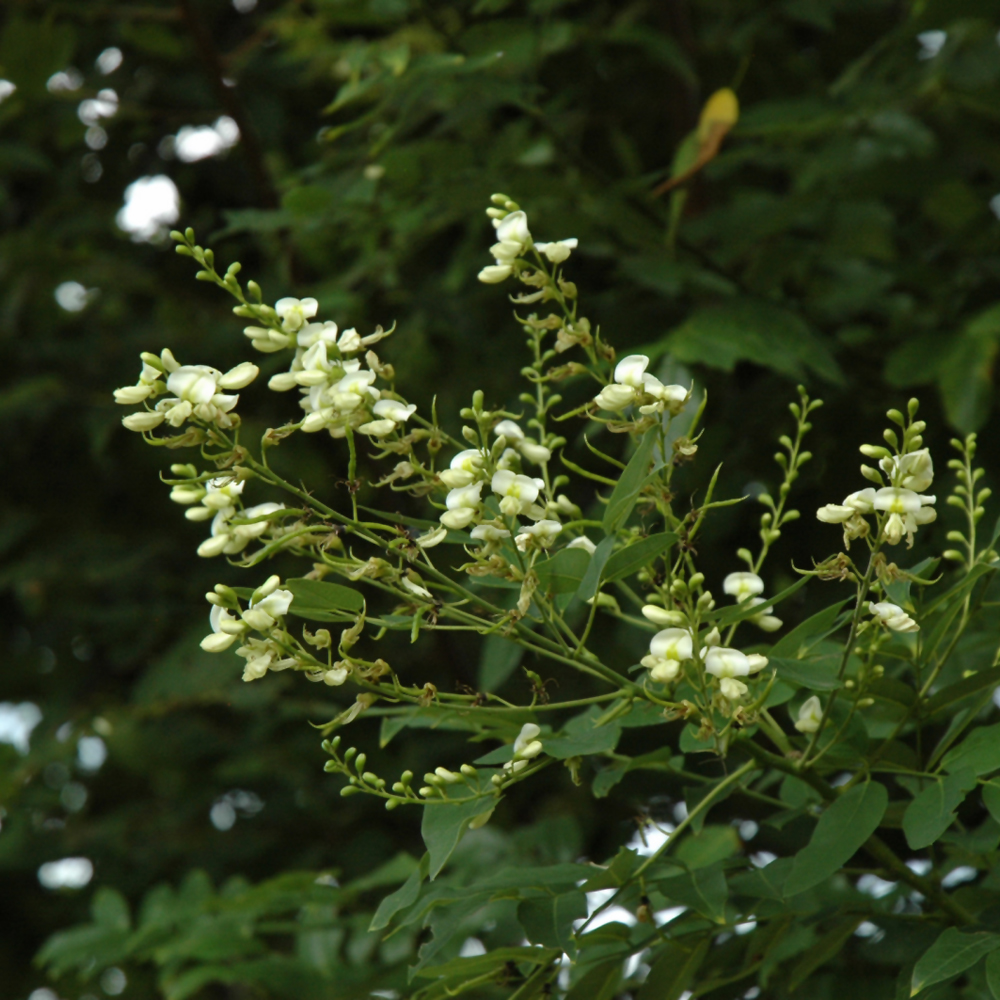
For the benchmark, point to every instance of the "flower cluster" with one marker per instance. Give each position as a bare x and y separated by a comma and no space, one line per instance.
633,385
670,648
196,392
747,588
900,507
219,499
337,392
514,241
267,606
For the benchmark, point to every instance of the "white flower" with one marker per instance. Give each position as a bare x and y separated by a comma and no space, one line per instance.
226,627
528,447
527,744
463,505
148,385
633,383
392,409
542,533
756,662
630,370
834,513
196,393
232,538
513,228
267,605
391,413
257,667
431,537
666,398
558,252
907,510
511,430
897,500
495,273
144,420
743,585
354,389
810,715
764,619
518,492
187,494
863,501
661,616
314,333
583,542
221,492
667,650
466,467
294,312
914,471
263,655
266,340
893,617
414,588
489,533
721,661
615,397
732,689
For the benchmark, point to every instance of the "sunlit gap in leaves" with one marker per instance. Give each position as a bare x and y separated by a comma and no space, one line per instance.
66,873
17,722
152,205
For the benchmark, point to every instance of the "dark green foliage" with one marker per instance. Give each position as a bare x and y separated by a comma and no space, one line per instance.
844,237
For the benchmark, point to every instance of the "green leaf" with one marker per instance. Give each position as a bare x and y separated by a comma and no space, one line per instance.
591,581
962,689
598,739
477,965
933,810
803,637
991,798
711,844
444,824
599,983
951,954
966,372
993,973
499,659
406,895
564,572
634,557
829,945
980,751
548,920
624,495
704,890
110,909
317,600
673,970
749,330
842,829
819,674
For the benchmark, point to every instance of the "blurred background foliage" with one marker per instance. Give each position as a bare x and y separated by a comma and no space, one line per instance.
846,236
